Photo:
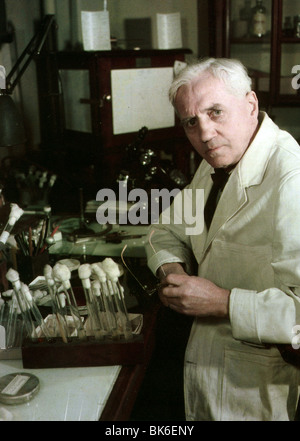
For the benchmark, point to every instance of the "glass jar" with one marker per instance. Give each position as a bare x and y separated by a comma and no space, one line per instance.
259,20
297,26
245,16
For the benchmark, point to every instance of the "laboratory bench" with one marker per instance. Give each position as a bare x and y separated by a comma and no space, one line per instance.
134,238
105,393
148,390
66,394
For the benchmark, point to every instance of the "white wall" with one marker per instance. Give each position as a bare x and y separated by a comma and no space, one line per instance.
121,9
23,14
128,9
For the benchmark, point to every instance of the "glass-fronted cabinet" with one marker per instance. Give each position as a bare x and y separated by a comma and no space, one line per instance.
250,30
265,36
288,44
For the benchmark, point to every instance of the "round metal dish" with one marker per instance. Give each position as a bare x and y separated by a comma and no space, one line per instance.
18,388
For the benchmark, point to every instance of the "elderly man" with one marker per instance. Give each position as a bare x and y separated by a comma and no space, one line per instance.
245,295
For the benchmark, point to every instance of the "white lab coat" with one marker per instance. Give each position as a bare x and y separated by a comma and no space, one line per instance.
233,370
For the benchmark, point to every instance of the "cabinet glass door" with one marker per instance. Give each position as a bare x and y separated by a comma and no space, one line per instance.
250,41
290,51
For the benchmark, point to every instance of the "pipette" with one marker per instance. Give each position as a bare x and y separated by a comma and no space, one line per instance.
107,301
11,327
15,214
113,273
6,297
84,273
62,274
57,306
96,291
35,311
2,307
13,277
61,301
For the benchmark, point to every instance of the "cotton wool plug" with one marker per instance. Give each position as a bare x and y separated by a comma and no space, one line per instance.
111,268
84,273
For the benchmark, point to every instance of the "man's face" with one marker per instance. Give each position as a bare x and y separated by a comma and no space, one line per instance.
219,125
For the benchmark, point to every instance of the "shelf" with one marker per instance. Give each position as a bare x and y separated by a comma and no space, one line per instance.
251,40
119,53
290,40
288,100
258,73
269,58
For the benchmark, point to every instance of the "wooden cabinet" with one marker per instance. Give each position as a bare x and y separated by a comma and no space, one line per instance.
76,99
273,59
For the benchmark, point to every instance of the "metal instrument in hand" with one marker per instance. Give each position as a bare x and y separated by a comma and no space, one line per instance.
145,288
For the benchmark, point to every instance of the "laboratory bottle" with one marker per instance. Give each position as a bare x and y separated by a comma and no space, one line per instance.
297,26
246,14
259,22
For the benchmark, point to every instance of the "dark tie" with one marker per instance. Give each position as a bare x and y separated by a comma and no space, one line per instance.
220,178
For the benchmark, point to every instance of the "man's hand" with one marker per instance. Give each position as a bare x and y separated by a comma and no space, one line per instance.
192,295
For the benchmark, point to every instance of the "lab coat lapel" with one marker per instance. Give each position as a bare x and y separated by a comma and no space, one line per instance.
249,171
234,196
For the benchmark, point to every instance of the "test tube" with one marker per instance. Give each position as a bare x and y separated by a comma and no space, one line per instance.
62,274
84,273
2,307
57,307
12,323
35,311
107,301
96,291
13,277
113,272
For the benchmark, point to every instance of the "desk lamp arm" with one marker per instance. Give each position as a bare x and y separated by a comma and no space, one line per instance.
33,49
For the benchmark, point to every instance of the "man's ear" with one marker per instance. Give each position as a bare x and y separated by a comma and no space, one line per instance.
253,102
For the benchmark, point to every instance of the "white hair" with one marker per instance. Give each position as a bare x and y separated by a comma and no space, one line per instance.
232,72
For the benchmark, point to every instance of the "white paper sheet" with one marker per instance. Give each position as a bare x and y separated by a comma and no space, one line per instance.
140,98
95,30
169,31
